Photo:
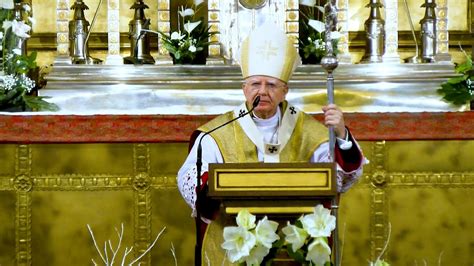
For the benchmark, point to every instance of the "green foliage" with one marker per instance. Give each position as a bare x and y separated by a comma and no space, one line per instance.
459,90
16,92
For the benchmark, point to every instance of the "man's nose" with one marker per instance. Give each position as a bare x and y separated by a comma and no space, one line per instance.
263,89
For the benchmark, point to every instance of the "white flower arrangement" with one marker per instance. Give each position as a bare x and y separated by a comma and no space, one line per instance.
312,44
16,87
306,241
191,37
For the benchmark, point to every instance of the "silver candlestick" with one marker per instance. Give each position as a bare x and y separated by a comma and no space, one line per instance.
329,63
428,32
79,35
375,34
139,40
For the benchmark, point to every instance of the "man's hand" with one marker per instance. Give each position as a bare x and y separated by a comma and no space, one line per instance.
333,117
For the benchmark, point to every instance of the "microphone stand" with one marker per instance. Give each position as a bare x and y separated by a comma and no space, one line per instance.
197,251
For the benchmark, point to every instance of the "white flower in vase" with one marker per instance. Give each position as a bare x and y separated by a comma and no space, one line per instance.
245,219
295,236
237,242
190,26
320,223
265,232
256,256
319,252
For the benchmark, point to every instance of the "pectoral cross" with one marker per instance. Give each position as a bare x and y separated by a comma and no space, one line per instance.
292,110
272,149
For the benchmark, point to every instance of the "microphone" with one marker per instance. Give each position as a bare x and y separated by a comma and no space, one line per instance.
199,149
198,175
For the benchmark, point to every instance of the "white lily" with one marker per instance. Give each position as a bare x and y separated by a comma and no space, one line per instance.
198,2
176,36
295,236
186,12
237,242
308,2
317,25
318,252
190,26
256,256
20,29
16,51
245,219
265,232
320,223
7,4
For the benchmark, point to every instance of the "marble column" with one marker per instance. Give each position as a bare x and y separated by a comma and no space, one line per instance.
62,33
344,56
163,57
215,56
113,33
391,32
442,38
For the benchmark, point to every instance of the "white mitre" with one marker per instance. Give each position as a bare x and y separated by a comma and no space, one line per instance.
268,51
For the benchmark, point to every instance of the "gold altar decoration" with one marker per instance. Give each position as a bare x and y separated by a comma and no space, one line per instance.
49,192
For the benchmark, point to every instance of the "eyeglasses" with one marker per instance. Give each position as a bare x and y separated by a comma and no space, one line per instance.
257,85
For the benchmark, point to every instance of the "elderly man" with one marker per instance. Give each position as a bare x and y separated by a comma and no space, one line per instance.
276,131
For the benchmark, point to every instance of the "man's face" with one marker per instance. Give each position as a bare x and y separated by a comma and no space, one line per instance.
272,92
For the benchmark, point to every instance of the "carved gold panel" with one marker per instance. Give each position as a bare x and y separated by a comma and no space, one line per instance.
422,190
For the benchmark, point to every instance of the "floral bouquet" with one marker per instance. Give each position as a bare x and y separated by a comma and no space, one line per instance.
306,241
16,88
191,38
312,32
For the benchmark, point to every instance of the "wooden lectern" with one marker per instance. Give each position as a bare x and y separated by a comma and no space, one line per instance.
282,191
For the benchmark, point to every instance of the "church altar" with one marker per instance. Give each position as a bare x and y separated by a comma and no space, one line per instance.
194,89
61,172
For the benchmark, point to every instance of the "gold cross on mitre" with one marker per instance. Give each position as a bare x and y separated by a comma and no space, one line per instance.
267,50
